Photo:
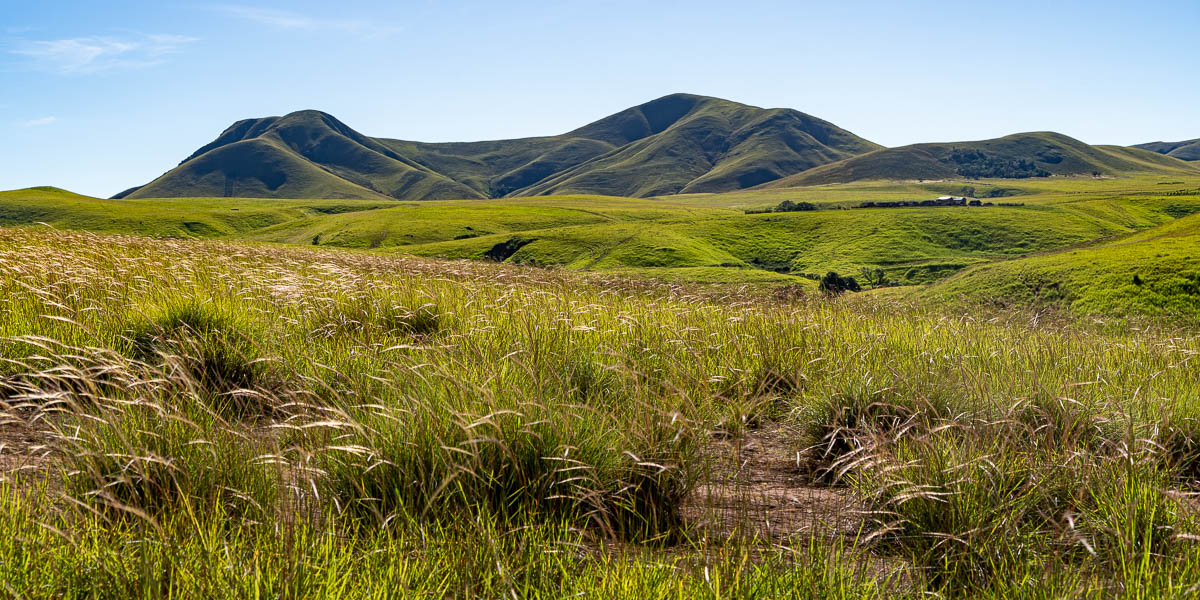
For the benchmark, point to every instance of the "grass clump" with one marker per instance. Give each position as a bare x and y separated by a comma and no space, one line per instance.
210,348
152,459
840,430
429,463
377,314
970,506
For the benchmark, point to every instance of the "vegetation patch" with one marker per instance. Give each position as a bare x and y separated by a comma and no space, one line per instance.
150,458
566,433
430,463
504,250
976,164
209,345
374,313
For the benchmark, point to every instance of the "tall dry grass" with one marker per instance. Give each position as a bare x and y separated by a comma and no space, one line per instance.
212,406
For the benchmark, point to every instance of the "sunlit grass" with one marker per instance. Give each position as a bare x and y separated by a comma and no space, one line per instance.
214,419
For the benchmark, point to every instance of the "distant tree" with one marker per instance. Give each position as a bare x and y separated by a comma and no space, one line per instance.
875,277
789,206
834,284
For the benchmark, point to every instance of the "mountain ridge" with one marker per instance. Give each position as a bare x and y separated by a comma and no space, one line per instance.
677,143
1016,156
1185,150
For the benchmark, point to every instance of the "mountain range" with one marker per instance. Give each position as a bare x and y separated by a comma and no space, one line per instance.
1019,156
676,144
1185,150
681,143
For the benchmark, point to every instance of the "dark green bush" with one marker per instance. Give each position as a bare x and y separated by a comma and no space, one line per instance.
835,284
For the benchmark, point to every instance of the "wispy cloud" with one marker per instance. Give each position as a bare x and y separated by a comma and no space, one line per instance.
40,122
99,54
283,19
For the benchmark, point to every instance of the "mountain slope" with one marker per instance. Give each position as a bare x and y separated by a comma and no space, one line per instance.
1185,150
306,154
673,144
685,144
1021,155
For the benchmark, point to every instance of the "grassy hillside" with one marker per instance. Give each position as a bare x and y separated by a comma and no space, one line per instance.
1020,156
1156,271
676,143
306,154
191,217
229,420
914,246
1185,150
708,146
693,237
404,224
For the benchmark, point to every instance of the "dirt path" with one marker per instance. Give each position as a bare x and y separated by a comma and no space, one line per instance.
757,490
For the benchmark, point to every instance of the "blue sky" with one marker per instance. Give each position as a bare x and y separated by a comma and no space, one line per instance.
100,96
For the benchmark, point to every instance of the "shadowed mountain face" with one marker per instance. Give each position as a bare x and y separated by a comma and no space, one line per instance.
1018,156
1185,150
678,143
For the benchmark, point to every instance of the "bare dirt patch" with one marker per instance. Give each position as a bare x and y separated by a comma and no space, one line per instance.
21,449
757,490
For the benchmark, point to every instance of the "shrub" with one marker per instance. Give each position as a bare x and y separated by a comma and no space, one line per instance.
876,277
789,206
834,284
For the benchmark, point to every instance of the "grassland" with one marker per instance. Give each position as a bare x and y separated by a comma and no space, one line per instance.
699,237
1156,271
195,418
190,218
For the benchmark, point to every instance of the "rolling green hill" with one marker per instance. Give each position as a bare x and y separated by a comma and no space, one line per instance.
1185,150
692,237
1019,156
407,223
1155,271
678,143
187,218
913,246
